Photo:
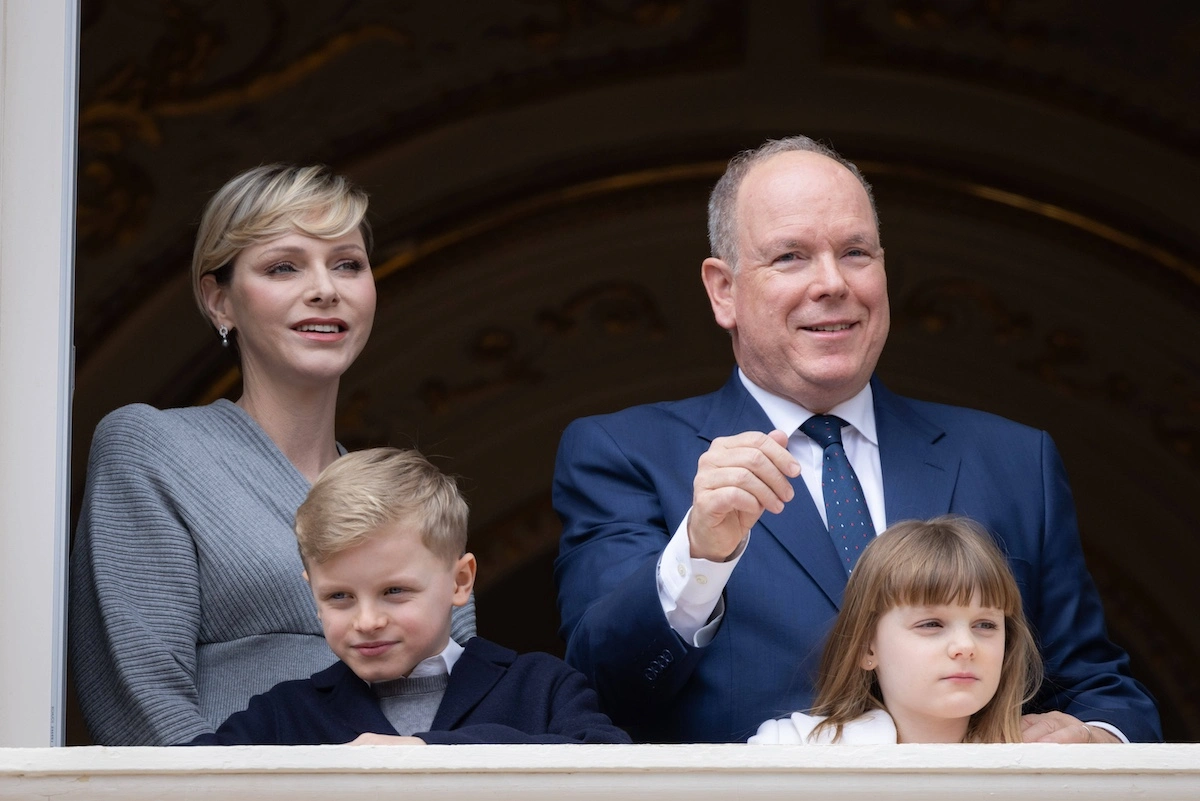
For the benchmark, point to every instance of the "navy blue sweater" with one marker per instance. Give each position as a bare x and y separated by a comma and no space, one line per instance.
494,696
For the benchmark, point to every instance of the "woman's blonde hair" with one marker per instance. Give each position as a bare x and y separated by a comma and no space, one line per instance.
270,201
946,560
364,490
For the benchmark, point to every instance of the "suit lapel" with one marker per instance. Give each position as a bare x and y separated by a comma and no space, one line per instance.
798,528
351,700
471,680
919,467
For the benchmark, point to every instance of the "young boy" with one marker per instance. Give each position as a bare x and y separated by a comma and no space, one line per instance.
383,537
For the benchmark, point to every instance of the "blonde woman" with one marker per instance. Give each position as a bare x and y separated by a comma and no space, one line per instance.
186,590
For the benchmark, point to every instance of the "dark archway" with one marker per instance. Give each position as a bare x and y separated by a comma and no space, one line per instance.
539,174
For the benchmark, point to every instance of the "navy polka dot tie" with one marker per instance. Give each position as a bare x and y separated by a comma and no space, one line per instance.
850,525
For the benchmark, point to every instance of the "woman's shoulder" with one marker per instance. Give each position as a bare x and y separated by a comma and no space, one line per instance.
137,418
142,429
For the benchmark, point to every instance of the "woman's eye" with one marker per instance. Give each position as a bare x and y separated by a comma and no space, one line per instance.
351,266
281,267
989,624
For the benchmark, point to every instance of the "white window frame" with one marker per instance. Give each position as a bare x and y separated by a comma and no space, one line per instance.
39,53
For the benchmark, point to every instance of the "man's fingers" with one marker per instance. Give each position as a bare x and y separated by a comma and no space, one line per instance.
1058,727
767,493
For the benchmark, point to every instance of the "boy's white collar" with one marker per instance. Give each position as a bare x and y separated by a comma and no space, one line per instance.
438,664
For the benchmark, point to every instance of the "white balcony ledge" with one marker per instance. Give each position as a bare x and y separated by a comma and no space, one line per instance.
495,773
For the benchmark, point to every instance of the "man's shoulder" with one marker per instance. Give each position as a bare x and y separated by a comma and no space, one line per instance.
947,416
690,412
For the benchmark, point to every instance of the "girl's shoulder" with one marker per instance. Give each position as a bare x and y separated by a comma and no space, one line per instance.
873,728
791,730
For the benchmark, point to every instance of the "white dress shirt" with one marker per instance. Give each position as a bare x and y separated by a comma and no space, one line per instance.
438,664
690,589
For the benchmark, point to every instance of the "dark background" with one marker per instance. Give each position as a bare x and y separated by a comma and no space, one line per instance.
539,171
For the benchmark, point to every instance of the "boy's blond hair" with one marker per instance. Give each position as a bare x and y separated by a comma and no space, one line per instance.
364,490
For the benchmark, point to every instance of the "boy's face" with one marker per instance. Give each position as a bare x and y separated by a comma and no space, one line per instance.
385,603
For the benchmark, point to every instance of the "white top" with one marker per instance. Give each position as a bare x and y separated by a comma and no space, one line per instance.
874,728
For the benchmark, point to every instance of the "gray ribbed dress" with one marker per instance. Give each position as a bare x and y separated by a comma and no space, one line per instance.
186,589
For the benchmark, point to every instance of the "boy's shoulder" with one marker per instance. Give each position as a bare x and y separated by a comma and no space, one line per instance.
481,652
488,651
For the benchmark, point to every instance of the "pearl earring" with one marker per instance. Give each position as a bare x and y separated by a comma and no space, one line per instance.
224,332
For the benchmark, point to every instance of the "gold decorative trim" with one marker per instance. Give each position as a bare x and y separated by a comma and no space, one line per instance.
419,249
1041,208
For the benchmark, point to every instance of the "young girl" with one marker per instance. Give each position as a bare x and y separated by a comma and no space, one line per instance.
930,646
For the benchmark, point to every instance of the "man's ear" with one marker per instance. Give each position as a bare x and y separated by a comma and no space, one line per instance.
216,301
719,283
464,579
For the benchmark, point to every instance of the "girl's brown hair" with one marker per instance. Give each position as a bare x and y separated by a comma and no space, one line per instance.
946,560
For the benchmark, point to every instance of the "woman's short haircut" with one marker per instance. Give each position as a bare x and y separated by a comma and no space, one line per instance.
270,201
364,490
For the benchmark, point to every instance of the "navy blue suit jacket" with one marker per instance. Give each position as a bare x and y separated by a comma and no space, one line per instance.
494,696
623,483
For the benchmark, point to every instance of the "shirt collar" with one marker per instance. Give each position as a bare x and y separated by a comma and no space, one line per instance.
438,664
787,415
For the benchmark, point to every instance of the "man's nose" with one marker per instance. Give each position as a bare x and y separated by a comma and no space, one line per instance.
828,278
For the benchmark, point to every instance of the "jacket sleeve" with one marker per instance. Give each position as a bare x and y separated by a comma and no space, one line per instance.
134,605
614,532
1087,675
257,724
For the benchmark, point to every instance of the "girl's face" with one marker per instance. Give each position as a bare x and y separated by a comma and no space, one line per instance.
302,307
937,666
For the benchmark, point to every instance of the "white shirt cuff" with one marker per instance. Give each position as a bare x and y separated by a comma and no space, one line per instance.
1109,728
690,589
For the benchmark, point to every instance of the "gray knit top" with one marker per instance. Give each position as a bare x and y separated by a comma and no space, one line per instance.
186,589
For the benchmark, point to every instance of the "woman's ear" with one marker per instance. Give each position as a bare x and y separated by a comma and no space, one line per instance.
216,301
